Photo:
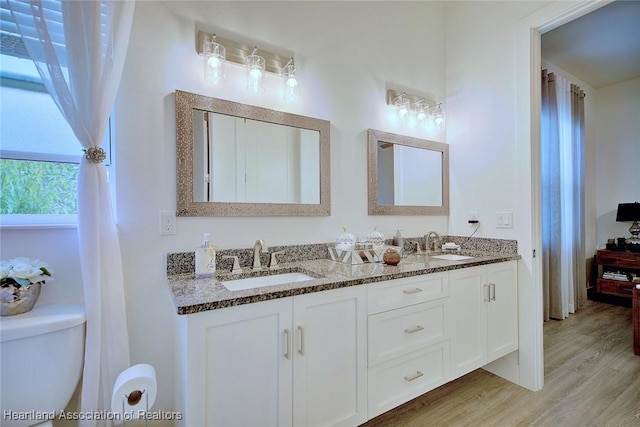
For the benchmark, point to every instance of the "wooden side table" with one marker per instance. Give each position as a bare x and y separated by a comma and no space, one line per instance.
615,270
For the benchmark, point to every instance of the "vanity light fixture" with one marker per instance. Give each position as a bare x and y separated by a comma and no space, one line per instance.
214,59
217,51
426,111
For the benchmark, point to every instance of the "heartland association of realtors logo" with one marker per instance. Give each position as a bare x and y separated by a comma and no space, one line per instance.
90,415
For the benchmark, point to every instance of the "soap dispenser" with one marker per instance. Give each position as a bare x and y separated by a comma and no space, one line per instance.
398,240
205,259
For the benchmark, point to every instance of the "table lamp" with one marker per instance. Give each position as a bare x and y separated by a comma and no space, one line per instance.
630,212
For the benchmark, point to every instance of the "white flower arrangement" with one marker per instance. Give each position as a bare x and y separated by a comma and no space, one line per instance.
23,271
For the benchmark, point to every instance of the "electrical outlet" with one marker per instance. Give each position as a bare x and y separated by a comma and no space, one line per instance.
167,223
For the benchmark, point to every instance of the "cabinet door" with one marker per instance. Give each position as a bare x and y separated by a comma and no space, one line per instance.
502,310
469,336
330,361
238,372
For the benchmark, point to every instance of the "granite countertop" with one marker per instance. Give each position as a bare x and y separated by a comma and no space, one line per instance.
196,295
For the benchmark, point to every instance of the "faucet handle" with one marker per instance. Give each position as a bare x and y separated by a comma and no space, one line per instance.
236,264
417,245
273,261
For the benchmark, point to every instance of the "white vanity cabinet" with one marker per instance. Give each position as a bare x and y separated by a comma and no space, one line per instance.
295,361
330,358
408,346
485,324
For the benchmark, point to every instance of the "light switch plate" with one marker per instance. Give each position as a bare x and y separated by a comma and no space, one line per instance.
504,219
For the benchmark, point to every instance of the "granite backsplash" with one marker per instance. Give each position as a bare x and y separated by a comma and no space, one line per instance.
184,262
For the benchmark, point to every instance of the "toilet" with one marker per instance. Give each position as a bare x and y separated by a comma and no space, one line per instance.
41,356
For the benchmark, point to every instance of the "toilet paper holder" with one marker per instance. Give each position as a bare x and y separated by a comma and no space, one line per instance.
133,399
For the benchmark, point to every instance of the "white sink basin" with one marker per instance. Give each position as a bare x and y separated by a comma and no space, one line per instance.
261,281
451,257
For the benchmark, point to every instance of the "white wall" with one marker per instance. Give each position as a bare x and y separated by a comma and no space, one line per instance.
488,129
617,159
56,246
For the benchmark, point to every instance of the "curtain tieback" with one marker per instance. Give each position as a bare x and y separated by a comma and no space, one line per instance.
95,154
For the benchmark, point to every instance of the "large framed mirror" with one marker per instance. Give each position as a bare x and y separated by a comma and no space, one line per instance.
240,160
406,175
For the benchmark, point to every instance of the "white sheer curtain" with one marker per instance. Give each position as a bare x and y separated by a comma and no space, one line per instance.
80,65
562,154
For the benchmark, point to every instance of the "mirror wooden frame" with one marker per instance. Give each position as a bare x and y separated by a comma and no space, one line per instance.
186,102
376,136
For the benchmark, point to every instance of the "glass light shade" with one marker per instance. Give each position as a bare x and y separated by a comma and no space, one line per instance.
214,62
290,82
439,118
421,113
402,103
255,73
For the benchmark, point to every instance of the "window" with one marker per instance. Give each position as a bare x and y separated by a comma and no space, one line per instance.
39,154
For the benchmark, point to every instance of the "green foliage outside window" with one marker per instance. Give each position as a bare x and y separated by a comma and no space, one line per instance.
30,187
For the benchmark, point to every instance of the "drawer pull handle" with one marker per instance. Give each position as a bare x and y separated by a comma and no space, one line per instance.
415,376
418,328
412,291
625,289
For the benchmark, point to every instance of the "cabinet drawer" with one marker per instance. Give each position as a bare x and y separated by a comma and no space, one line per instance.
619,259
615,287
400,380
398,332
390,294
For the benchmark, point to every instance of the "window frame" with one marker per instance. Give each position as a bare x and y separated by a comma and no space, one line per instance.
47,221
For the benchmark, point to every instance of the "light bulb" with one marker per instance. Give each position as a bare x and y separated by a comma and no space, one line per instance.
292,82
255,73
421,116
214,63
403,111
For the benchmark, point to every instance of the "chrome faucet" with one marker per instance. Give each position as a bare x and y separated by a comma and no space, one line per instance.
427,238
258,247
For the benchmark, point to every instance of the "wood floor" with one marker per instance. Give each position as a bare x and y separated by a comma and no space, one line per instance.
592,378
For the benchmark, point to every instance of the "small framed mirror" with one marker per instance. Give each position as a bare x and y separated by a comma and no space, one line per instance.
240,160
406,175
